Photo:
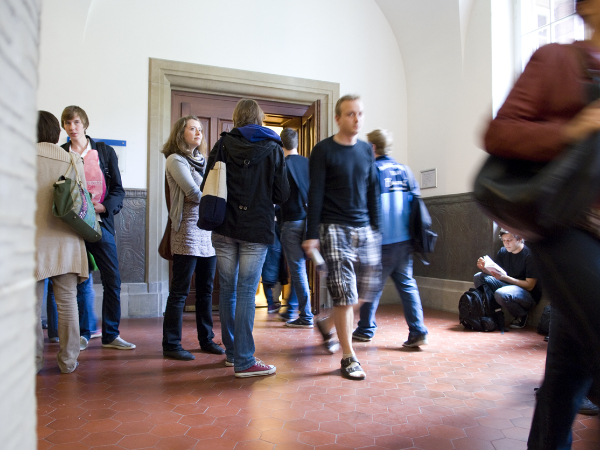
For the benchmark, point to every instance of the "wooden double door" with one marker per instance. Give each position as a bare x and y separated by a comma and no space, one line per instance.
215,113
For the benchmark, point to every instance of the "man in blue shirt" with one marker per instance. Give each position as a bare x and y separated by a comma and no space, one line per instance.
397,186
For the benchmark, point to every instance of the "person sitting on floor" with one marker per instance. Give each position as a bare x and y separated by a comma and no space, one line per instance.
513,278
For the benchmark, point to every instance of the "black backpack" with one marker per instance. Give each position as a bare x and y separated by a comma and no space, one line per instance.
479,311
419,225
544,323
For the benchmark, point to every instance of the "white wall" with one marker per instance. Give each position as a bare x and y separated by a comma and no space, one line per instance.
19,22
446,50
505,69
94,53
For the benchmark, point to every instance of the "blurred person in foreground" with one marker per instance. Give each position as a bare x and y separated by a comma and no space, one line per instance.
256,179
60,251
397,186
546,111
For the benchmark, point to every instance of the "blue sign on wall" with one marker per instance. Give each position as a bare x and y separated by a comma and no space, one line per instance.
107,141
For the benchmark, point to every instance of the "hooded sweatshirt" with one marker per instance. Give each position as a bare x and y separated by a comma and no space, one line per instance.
256,180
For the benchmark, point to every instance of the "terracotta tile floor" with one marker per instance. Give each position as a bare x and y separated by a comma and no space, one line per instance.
464,390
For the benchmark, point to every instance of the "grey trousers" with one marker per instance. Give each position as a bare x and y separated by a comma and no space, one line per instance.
65,293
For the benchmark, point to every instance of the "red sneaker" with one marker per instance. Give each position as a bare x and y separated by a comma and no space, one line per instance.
259,369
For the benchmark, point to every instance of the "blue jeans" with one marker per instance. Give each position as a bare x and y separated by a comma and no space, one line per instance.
516,300
184,267
85,303
51,310
239,264
270,269
292,235
397,262
105,254
569,266
292,306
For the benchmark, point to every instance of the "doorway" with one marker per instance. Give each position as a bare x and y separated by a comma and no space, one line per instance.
166,77
215,113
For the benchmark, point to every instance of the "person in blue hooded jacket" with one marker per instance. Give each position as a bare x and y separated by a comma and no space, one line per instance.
256,179
397,186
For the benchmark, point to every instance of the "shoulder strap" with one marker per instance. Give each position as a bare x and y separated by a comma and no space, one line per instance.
101,148
167,194
294,174
77,177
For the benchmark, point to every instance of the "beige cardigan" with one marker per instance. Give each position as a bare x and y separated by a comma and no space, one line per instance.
59,249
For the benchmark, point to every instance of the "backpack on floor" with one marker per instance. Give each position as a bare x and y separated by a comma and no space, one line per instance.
544,323
479,311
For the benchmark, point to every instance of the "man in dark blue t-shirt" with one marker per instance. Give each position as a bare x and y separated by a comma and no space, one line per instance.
343,219
515,283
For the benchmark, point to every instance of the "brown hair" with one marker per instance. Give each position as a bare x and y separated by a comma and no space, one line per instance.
345,98
48,128
176,143
70,112
247,112
503,232
382,139
289,138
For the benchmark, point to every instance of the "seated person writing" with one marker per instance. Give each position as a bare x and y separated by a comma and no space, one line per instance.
512,277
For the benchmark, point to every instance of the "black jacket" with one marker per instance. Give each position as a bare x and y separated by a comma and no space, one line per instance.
113,201
256,179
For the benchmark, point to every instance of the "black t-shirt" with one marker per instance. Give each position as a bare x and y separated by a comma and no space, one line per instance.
293,208
520,266
344,186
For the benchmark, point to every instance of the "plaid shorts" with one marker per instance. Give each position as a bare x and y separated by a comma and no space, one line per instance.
353,257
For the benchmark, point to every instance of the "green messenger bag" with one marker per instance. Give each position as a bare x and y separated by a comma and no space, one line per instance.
73,205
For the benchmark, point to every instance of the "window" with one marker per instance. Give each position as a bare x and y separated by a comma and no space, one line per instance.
547,21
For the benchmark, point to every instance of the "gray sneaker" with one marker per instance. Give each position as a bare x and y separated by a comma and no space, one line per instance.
416,341
83,342
119,344
299,323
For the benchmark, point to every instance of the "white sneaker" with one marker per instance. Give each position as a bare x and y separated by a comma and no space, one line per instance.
119,344
83,342
96,334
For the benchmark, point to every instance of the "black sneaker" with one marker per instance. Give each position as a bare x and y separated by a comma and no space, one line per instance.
519,322
181,355
415,341
329,342
587,408
351,369
361,337
299,323
275,307
286,317
211,347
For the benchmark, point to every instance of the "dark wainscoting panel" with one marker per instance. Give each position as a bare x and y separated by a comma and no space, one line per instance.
464,234
130,227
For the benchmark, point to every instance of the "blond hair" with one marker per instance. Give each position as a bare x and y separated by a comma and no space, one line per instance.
345,98
176,142
382,140
247,112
